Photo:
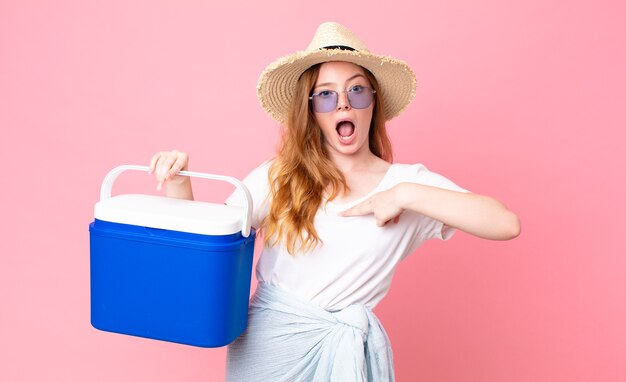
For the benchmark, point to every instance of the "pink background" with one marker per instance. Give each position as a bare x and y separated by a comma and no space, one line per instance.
521,100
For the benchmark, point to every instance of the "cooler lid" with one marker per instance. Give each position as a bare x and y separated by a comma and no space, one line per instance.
171,214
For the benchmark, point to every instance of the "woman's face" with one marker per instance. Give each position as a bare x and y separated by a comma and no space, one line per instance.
346,127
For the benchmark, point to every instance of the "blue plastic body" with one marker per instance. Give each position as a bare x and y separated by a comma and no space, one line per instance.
169,285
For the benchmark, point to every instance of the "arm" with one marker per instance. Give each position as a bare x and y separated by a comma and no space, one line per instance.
478,215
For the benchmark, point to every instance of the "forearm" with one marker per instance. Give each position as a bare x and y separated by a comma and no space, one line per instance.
180,190
478,215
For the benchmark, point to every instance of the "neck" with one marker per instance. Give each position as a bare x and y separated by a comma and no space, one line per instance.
352,162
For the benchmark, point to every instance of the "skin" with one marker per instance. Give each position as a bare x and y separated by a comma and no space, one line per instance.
478,215
339,77
164,165
362,169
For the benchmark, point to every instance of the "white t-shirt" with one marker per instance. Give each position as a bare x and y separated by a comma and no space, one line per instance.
357,260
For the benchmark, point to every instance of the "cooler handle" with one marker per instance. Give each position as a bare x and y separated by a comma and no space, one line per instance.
107,186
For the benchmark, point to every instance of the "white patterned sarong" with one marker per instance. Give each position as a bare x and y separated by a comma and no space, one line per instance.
288,339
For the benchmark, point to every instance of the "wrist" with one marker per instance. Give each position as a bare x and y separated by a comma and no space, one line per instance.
400,195
405,195
179,188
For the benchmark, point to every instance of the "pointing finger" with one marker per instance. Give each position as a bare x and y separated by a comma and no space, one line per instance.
363,208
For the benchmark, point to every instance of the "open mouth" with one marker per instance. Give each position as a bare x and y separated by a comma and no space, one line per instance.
345,129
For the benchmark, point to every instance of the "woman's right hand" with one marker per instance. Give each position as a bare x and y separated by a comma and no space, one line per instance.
165,165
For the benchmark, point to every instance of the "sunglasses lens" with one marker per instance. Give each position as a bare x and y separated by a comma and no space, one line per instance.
360,97
324,102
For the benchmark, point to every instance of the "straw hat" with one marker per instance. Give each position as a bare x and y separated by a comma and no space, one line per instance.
334,42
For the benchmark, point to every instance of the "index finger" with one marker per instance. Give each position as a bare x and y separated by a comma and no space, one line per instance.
363,208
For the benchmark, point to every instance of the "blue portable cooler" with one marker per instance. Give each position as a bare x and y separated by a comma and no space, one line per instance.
170,269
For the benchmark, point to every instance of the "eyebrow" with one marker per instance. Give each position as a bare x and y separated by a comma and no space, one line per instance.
332,83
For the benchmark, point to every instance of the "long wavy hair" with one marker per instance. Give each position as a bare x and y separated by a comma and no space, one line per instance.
303,171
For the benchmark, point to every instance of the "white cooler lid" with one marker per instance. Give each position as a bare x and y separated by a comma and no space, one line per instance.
171,214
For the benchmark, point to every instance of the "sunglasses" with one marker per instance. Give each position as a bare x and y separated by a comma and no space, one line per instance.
359,97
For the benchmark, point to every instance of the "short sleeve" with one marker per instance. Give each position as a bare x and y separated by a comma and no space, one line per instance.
258,185
428,228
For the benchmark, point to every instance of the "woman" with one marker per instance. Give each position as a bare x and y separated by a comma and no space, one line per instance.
337,216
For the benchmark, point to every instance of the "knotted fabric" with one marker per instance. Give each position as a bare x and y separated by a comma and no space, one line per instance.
288,339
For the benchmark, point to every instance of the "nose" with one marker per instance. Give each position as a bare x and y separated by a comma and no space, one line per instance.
342,101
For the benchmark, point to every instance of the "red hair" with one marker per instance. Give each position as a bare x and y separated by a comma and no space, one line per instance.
302,171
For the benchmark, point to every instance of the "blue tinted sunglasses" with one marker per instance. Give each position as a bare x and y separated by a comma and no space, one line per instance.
359,97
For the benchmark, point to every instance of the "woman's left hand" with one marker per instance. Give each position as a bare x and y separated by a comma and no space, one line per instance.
384,205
